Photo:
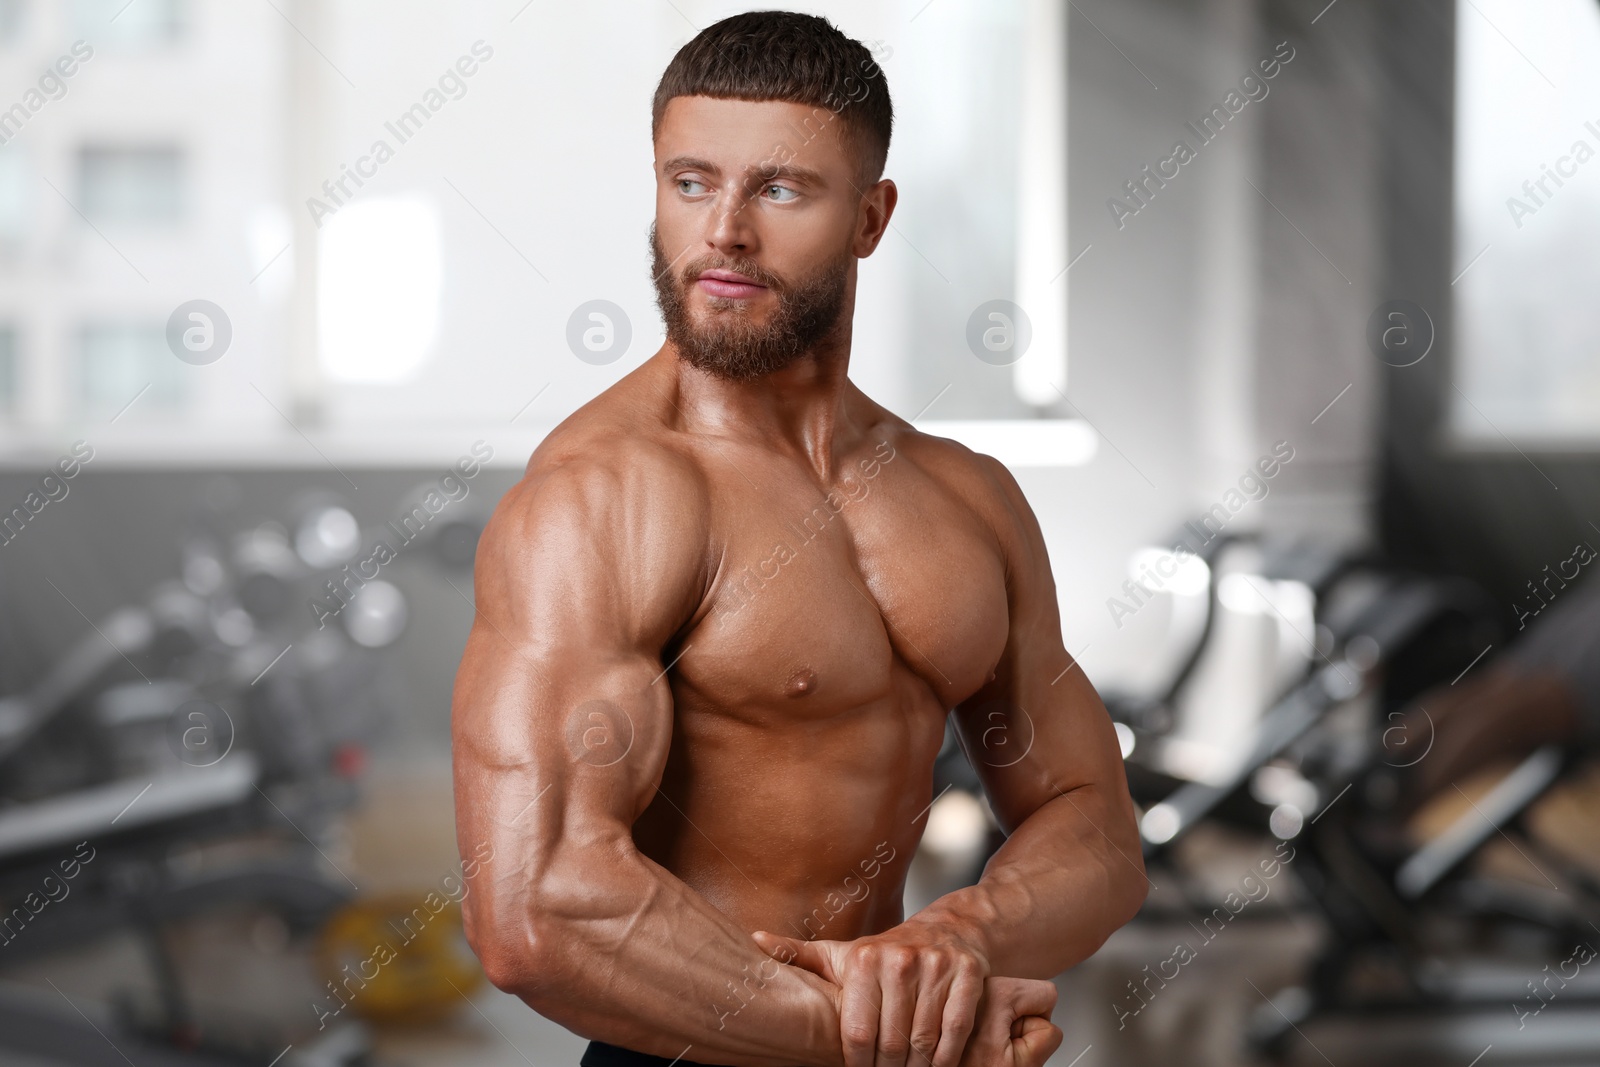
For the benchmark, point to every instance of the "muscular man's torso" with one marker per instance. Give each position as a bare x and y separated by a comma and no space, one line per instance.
842,618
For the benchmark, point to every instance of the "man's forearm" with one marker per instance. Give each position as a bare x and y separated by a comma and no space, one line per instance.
636,958
1052,894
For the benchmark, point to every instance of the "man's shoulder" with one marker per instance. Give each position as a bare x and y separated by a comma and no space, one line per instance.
609,477
978,478
984,486
600,474
622,438
629,423
609,521
613,453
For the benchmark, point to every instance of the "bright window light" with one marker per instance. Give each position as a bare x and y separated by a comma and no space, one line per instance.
268,236
378,283
1527,223
1022,442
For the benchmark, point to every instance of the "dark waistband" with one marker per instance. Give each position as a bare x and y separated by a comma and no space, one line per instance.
600,1054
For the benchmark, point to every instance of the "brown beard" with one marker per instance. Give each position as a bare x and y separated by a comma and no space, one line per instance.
729,345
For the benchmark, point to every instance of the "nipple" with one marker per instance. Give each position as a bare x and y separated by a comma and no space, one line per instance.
803,682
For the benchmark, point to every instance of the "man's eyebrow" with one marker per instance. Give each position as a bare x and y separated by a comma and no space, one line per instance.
690,163
768,171
773,171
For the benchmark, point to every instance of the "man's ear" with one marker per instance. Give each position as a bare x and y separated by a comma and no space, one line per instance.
877,208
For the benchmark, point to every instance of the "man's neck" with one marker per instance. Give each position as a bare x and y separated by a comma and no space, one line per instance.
801,408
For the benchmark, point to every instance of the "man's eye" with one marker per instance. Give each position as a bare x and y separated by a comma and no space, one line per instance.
788,193
684,186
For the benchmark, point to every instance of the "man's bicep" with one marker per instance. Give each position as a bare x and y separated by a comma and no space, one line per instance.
1038,729
562,715
557,740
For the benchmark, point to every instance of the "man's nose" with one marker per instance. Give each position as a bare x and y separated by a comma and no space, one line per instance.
731,226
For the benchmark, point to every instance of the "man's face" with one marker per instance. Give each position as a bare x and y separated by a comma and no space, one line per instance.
756,232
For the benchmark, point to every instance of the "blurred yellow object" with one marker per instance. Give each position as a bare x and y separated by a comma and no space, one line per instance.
397,958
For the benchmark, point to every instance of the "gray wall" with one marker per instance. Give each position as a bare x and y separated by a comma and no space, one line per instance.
117,533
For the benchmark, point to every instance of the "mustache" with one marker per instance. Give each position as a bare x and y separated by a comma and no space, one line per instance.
754,271
749,268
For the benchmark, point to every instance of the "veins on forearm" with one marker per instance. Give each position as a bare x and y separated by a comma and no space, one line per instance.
1037,877
707,973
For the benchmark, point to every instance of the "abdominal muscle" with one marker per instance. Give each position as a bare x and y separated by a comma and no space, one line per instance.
803,826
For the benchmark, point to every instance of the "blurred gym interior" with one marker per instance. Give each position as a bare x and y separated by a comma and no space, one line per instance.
1321,491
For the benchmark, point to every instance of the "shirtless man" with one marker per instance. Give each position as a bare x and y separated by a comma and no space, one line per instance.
721,623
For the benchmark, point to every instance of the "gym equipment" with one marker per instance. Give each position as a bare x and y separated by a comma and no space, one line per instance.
1365,634
397,958
233,749
1422,934
1420,940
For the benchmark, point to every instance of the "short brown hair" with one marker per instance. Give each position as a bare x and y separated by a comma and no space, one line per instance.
784,55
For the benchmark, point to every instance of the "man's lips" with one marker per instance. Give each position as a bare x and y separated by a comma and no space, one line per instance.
728,284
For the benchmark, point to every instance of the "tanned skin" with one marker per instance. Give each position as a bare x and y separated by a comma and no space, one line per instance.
720,626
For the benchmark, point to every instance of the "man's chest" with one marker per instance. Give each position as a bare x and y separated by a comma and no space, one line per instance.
827,600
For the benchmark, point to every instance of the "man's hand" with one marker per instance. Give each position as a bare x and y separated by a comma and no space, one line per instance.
1014,1027
910,995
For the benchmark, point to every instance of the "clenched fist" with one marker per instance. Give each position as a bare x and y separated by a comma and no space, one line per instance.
1013,1027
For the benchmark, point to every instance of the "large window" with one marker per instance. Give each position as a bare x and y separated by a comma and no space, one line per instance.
1527,223
122,362
131,185
147,22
